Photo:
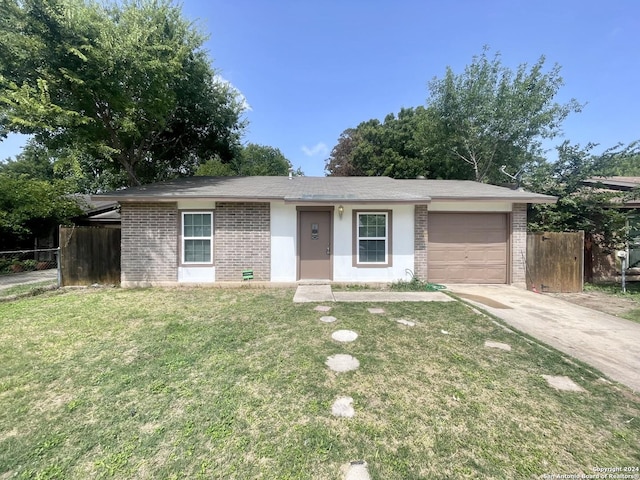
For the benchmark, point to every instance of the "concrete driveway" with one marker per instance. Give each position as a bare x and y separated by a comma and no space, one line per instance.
608,343
13,279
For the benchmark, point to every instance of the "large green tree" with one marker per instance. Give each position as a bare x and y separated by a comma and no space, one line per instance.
32,207
472,125
626,163
492,116
34,161
403,146
580,206
251,160
123,90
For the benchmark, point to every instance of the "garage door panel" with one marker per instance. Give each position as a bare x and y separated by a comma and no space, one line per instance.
486,274
469,274
486,255
467,248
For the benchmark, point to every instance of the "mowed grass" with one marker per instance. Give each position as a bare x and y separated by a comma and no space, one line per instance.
35,288
231,384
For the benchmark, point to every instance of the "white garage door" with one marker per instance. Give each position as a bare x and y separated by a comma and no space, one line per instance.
468,247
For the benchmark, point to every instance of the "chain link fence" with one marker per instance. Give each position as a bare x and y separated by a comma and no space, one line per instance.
19,261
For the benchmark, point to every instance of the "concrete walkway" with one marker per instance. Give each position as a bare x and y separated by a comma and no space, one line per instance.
323,293
606,342
23,278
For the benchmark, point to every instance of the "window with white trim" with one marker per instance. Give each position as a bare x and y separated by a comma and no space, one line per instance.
197,237
372,238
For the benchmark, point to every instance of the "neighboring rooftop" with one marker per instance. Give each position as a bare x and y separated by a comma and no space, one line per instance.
617,185
321,190
615,182
96,211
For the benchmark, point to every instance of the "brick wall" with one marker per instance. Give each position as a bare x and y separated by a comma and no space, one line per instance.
519,244
149,243
242,240
420,242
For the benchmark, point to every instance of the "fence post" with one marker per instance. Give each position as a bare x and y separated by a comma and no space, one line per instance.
58,267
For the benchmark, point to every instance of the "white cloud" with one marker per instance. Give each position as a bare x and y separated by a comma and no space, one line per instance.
318,149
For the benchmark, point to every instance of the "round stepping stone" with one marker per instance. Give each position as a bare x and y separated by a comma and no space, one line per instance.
322,308
498,345
376,310
408,323
343,407
328,319
341,362
356,471
344,335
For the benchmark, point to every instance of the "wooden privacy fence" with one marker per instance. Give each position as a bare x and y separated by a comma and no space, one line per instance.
555,262
89,255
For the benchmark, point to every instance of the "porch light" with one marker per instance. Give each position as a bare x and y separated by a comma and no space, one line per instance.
340,211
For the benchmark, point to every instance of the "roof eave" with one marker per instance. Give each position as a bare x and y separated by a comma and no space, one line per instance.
290,200
497,199
352,201
176,198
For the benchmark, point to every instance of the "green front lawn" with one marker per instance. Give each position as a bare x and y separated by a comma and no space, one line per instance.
231,384
35,288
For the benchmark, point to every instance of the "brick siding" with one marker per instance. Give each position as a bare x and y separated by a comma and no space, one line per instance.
519,244
149,243
420,242
242,240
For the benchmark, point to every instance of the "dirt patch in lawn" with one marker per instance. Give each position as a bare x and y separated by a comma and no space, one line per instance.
600,301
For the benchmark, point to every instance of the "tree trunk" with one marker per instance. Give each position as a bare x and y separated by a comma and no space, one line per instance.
588,258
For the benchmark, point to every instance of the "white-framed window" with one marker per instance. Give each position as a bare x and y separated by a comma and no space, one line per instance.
372,238
197,237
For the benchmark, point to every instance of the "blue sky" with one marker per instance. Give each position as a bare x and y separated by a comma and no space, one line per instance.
311,69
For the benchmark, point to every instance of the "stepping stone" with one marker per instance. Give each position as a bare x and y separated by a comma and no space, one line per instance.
343,407
356,471
344,335
341,362
376,310
562,383
408,323
501,346
444,332
328,319
322,308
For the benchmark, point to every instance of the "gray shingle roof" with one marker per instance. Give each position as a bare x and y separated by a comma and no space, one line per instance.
321,190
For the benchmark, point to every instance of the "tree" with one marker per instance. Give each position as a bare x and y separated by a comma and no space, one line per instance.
124,90
403,146
340,161
492,116
252,160
32,207
580,207
627,162
34,162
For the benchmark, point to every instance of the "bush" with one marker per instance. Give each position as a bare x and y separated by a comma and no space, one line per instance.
29,265
5,265
415,285
13,265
